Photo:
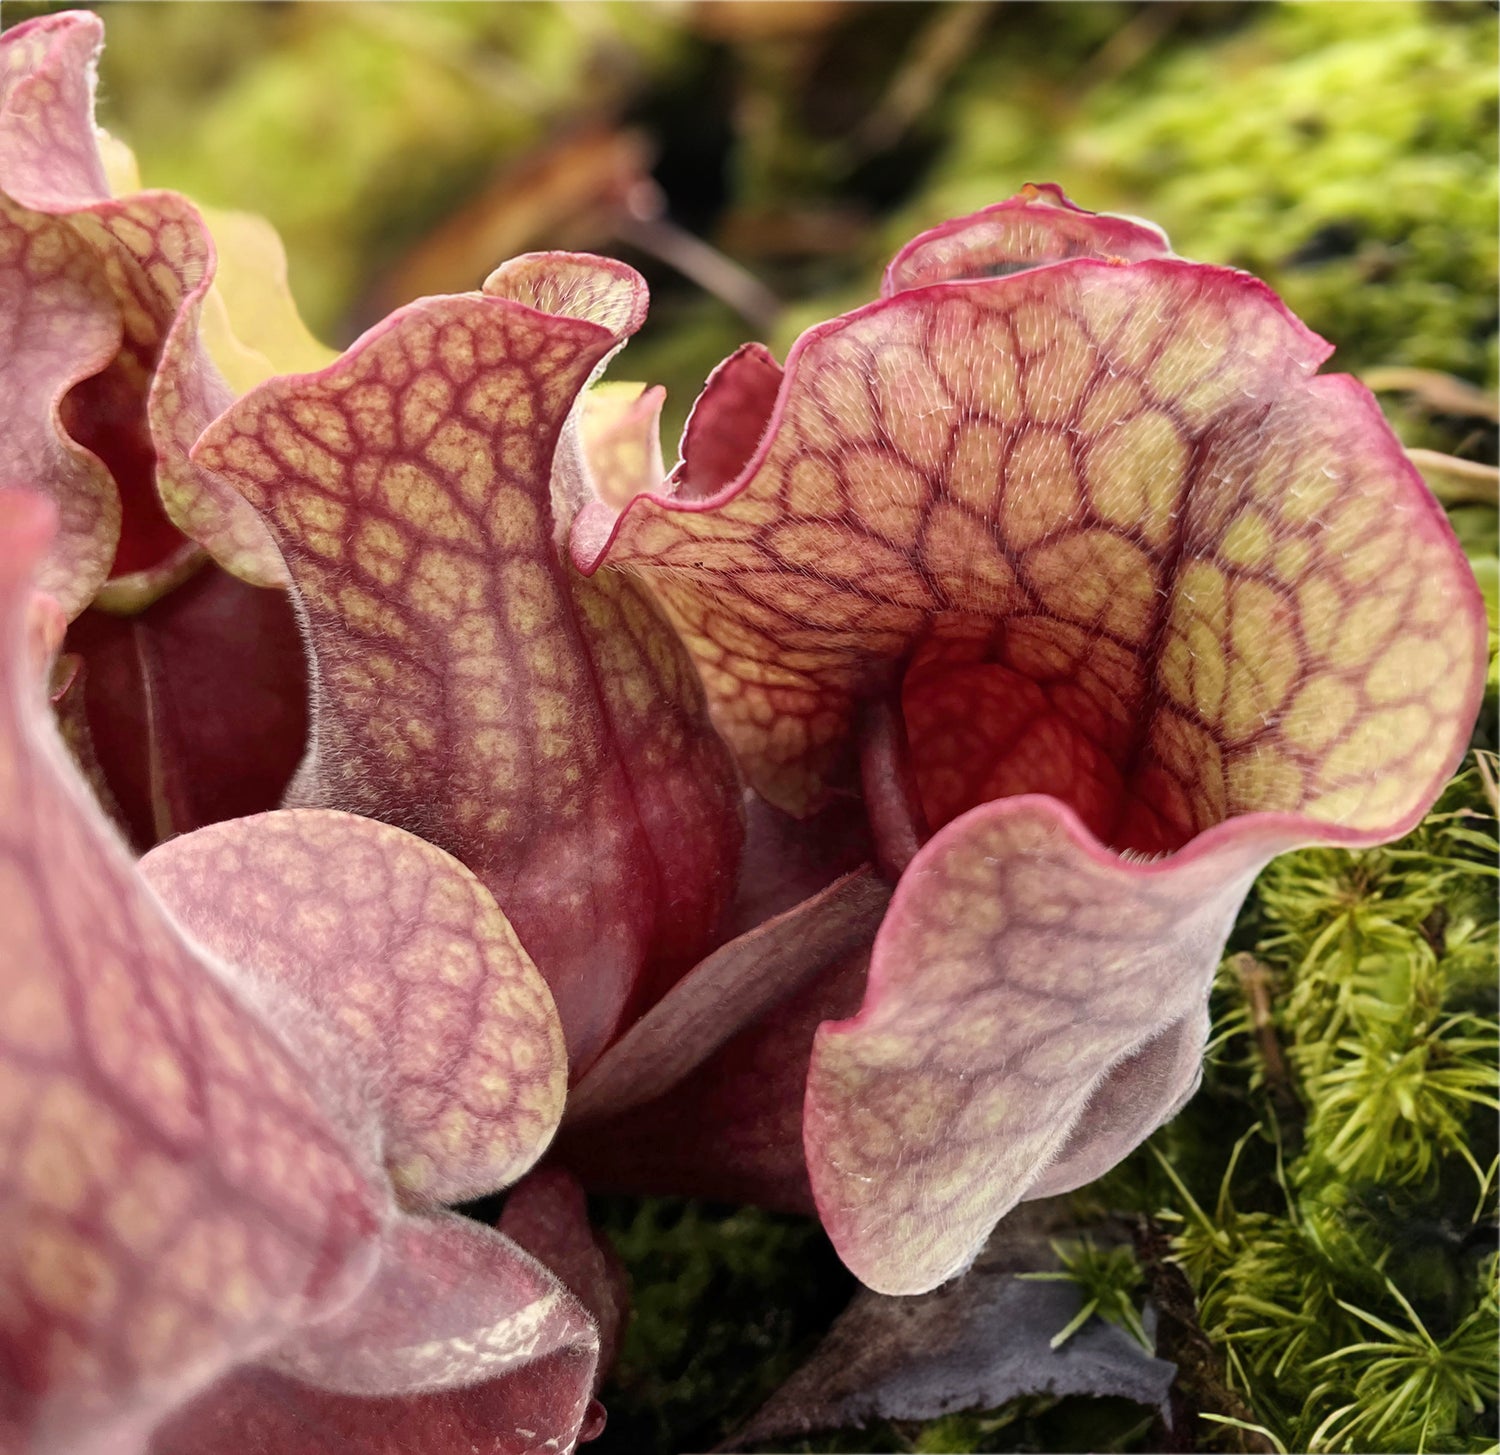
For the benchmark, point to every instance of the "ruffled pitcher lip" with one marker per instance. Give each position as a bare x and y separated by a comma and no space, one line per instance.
904,1184
545,728
964,1071
598,527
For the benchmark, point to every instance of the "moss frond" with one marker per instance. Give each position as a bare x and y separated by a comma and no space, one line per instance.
1109,1280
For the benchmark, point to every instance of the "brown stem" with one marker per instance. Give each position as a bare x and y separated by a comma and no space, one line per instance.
946,41
1487,763
1255,985
1200,1384
1130,44
893,806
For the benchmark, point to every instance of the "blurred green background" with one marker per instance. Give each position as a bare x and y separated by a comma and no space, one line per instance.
1345,152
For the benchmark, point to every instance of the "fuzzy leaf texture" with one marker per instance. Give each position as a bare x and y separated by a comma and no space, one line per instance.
543,726
127,330
228,1124
1039,603
1064,555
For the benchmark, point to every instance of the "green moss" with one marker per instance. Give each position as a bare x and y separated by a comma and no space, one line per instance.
1035,1423
1345,153
1340,1252
1109,1280
1262,154
725,1304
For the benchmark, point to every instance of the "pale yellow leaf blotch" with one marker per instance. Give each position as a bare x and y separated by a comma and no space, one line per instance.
250,324
120,168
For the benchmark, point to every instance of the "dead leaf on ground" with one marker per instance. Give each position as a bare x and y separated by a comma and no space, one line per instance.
974,1344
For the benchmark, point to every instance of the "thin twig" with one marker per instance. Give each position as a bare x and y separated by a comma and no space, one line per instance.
1129,45
1486,763
947,39
1455,481
1200,1387
642,226
1437,392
